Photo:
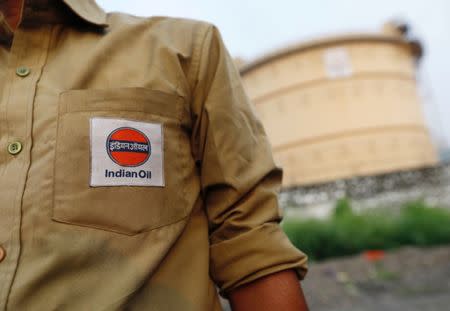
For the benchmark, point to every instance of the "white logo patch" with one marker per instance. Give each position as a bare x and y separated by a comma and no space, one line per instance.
126,153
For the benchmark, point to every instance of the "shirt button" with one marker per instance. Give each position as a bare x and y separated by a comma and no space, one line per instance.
15,148
23,71
2,254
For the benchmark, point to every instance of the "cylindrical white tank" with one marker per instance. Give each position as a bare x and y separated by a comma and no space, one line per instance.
342,107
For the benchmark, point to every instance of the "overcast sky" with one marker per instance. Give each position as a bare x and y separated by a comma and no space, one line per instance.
252,28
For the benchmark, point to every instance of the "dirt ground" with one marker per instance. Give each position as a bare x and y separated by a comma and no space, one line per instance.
409,279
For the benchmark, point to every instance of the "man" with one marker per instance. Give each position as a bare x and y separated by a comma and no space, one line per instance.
134,175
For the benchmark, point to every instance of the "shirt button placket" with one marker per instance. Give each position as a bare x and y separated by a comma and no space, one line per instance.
15,148
27,57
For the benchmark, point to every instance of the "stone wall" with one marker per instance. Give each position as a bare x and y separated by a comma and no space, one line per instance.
431,185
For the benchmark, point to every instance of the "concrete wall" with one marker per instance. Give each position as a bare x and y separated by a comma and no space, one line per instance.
389,190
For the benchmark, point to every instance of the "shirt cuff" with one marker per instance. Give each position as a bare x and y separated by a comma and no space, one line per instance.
249,256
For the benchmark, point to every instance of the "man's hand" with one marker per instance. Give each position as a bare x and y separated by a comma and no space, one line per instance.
278,291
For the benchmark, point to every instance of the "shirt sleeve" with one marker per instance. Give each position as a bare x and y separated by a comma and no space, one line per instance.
239,179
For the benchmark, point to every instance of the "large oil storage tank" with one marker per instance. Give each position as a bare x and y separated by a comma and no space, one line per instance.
342,107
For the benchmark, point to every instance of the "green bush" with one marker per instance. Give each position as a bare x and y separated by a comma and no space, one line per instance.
347,232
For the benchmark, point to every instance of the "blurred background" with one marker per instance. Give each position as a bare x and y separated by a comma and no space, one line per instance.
354,98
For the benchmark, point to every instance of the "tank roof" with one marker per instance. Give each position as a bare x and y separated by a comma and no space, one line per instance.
393,38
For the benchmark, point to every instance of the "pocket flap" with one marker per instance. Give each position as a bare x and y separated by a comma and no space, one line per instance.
123,99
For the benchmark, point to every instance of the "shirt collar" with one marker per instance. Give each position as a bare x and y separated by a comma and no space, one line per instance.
50,11
89,11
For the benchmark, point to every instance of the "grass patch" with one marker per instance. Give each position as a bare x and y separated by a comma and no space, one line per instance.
348,233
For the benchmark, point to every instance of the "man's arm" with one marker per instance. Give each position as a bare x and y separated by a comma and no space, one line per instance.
278,291
239,181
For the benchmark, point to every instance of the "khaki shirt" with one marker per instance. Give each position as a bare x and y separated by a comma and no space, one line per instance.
211,217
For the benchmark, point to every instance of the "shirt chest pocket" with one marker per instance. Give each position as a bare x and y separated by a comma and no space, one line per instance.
122,160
